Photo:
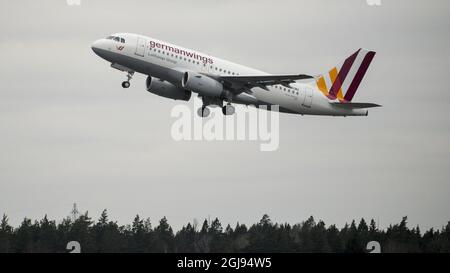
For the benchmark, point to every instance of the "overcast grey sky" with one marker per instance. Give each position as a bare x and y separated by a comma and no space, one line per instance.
70,133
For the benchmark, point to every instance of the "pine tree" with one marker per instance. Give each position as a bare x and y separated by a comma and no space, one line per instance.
185,239
262,236
239,238
140,237
107,235
81,232
217,243
319,238
203,240
147,225
265,221
216,227
334,240
372,227
353,243
445,239
47,240
6,233
205,227
229,230
138,226
363,232
24,237
305,243
164,236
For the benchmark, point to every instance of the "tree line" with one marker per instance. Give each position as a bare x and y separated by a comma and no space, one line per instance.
104,235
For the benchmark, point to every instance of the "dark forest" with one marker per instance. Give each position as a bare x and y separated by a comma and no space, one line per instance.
105,235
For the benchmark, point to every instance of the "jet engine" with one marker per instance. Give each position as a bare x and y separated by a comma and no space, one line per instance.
201,84
166,89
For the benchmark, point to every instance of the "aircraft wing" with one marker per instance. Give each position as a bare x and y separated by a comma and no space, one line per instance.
355,105
247,82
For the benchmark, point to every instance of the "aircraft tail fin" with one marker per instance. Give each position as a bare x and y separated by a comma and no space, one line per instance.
343,80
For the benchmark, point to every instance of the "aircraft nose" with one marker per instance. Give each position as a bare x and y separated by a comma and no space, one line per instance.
96,46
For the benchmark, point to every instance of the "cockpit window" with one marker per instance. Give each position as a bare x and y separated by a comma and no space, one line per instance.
117,39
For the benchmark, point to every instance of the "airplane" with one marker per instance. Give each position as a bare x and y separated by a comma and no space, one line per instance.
176,72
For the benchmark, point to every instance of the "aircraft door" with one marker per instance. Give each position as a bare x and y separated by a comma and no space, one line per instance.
140,47
308,96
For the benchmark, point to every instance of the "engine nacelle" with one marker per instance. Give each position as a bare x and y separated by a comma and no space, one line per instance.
201,84
166,89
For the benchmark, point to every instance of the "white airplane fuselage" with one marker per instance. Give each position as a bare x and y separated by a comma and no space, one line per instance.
168,62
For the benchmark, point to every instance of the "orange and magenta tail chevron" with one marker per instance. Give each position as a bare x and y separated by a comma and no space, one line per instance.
342,81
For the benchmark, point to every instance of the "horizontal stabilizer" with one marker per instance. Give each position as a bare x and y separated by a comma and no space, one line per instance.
355,105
